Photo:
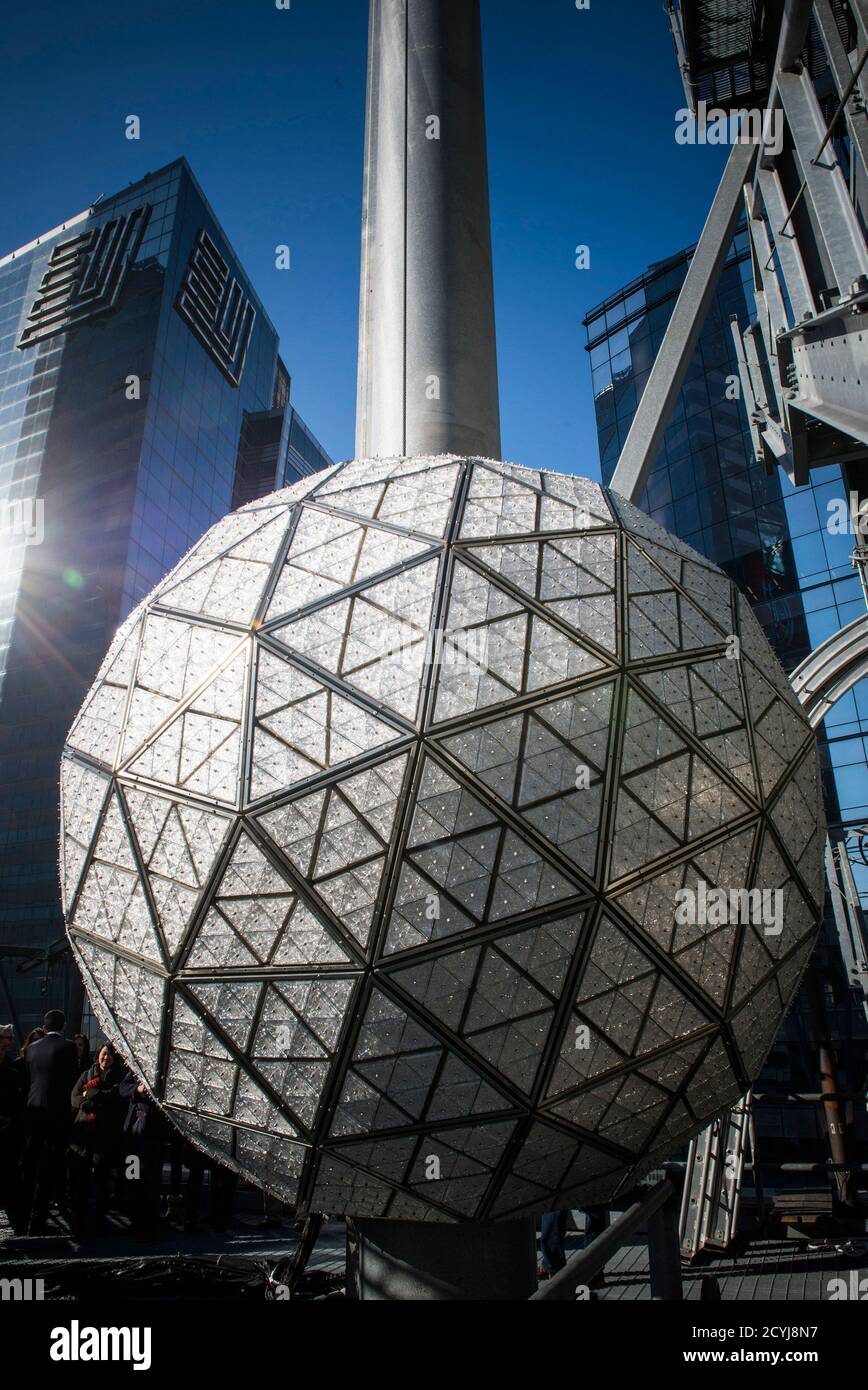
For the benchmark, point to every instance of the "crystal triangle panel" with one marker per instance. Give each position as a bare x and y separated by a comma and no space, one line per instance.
200,750
624,1008
180,845
304,728
499,999
662,619
296,1037
455,1166
228,535
129,1002
779,732
338,839
406,494
463,867
573,576
668,795
495,649
705,699
330,552
377,641
84,792
507,500
798,817
549,764
230,588
97,728
112,903
673,908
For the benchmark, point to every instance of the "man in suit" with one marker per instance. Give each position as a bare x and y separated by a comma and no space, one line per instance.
52,1071
11,1120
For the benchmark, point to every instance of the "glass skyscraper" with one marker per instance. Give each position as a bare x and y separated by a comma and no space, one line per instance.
142,397
774,540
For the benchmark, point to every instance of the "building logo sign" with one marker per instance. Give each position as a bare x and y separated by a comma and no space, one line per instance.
216,308
85,276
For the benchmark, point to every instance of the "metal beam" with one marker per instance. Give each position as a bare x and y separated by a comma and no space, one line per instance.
856,926
747,391
771,313
840,907
427,358
581,1267
679,343
859,10
835,215
839,65
664,1256
786,245
755,369
764,269
832,669
794,33
791,41
681,55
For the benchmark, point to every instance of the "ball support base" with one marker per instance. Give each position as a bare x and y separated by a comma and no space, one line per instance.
413,1261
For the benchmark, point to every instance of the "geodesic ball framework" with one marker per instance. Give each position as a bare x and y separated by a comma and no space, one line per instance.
373,826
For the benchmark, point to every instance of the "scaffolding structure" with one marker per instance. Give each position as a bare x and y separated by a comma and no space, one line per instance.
803,369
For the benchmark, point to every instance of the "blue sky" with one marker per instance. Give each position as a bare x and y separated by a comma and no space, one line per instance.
268,107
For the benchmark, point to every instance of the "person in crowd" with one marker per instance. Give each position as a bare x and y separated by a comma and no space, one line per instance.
33,1036
272,1212
51,1065
99,1110
221,1185
596,1221
553,1232
181,1205
222,1182
12,1099
82,1047
85,1059
142,1161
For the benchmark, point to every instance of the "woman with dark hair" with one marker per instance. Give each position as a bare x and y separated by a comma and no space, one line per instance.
99,1111
33,1036
82,1047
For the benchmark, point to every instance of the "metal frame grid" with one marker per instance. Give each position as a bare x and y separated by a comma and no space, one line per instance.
388,926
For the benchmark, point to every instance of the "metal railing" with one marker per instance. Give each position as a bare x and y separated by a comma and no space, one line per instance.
657,1213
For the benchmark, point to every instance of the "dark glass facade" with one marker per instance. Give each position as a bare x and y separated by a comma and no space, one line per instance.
705,485
147,400
774,541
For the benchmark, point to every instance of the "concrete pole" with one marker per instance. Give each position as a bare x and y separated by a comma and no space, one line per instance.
427,356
